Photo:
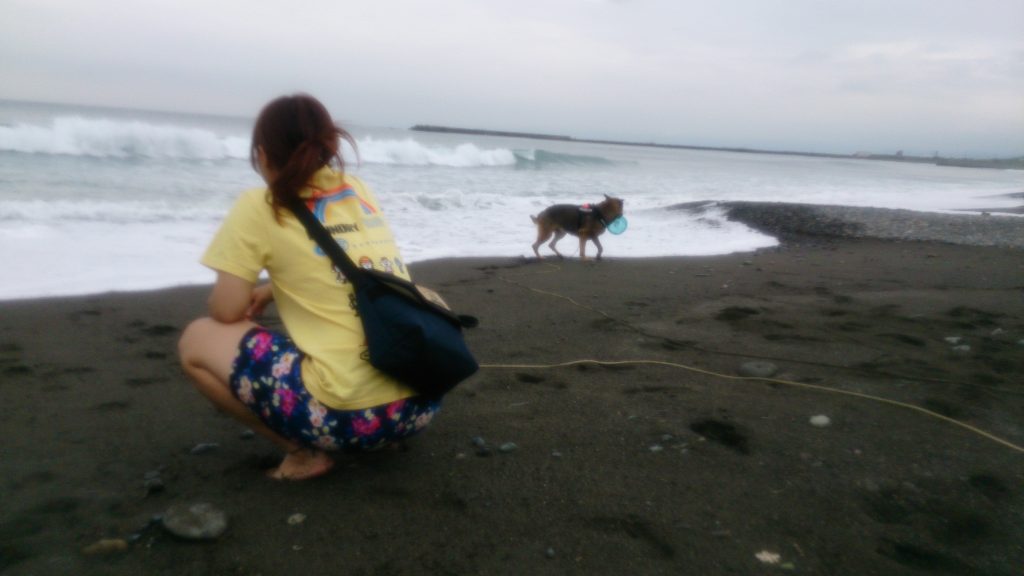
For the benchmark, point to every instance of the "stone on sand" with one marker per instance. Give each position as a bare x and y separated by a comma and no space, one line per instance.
758,369
198,521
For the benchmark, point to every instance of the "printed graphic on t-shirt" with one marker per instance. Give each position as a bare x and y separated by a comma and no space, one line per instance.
322,199
339,276
318,204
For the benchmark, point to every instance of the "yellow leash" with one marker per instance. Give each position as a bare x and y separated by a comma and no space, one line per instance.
913,407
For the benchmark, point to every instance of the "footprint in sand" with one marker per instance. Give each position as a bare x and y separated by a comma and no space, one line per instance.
111,406
723,433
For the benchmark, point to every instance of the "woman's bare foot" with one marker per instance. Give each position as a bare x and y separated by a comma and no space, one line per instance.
302,464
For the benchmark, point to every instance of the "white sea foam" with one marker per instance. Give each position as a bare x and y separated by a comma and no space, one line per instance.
41,212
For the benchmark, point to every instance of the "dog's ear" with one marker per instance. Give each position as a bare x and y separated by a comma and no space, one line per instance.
607,197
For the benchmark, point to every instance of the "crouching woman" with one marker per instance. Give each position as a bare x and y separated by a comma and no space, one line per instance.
309,388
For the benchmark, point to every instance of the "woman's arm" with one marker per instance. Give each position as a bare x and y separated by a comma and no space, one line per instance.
231,298
261,296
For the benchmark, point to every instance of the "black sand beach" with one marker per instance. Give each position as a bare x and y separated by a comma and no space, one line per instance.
635,468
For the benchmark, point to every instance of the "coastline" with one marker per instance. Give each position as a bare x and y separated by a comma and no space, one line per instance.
634,467
1001,226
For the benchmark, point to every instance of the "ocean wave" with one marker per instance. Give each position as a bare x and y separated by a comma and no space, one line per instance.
105,138
102,138
409,152
539,158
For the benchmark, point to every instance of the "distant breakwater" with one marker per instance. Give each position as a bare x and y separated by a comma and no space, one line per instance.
999,163
800,220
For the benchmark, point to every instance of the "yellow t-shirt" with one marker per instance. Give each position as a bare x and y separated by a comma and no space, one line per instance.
316,304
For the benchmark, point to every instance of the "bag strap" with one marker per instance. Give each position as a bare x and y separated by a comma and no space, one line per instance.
357,275
323,238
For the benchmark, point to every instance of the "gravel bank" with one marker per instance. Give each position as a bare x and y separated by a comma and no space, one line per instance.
782,219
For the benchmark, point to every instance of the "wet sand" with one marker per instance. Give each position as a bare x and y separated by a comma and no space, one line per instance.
637,468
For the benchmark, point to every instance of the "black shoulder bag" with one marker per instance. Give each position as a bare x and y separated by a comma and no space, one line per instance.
412,335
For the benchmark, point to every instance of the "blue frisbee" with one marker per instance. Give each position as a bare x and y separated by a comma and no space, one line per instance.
618,226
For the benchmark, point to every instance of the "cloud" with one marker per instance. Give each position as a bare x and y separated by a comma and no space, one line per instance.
771,72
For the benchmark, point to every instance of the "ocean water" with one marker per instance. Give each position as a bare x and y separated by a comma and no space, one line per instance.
95,200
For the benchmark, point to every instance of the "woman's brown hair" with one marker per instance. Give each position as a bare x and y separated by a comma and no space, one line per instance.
298,137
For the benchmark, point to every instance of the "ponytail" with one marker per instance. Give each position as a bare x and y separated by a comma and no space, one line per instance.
298,137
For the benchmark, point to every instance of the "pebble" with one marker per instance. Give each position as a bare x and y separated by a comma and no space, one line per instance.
105,546
297,518
550,552
820,420
1020,342
953,339
154,485
656,448
666,437
962,348
204,447
478,441
758,369
768,557
508,447
556,454
247,434
481,446
199,521
996,332
153,482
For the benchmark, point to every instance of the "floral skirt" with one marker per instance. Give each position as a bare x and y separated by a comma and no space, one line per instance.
267,377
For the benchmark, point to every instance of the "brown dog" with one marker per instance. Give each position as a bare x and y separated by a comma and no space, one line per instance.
587,222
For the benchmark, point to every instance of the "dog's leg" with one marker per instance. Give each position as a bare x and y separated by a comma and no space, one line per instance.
600,248
558,236
543,234
583,247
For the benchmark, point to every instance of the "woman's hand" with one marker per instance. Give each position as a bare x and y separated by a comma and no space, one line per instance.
261,296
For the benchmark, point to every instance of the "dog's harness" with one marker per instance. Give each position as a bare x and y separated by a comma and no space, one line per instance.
586,209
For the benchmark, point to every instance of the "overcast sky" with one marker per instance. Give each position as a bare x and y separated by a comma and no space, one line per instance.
816,75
